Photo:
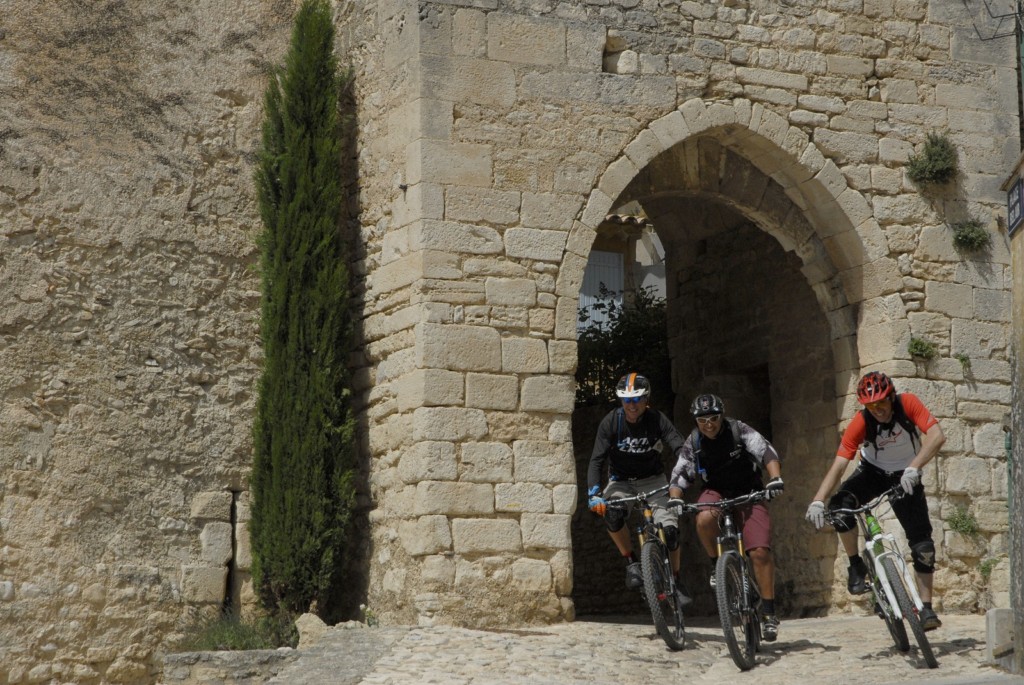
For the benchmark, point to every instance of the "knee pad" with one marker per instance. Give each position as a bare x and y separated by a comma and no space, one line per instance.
615,518
923,555
843,500
671,537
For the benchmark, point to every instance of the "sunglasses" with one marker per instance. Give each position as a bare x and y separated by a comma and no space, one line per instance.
875,406
707,420
634,400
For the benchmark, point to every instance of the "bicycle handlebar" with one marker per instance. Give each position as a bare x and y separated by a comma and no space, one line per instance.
893,493
620,502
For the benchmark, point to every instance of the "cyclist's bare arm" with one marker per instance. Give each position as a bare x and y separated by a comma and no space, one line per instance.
831,480
930,444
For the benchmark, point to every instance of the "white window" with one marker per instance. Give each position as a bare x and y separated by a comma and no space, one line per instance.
602,268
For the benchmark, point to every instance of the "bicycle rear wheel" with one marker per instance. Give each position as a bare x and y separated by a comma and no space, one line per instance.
896,628
661,596
909,612
737,622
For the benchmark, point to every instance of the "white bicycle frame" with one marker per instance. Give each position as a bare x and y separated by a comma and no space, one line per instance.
884,546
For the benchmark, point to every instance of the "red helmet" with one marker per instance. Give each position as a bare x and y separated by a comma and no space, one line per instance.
874,386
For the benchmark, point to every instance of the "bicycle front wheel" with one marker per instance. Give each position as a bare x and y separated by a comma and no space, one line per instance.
909,612
737,621
882,607
661,596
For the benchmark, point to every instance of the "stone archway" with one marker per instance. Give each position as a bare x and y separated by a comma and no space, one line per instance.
737,178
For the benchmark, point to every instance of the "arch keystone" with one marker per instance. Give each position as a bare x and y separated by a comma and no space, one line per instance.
670,129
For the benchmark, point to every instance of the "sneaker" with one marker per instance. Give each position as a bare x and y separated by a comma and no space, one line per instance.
857,581
682,599
712,582
929,620
634,576
770,628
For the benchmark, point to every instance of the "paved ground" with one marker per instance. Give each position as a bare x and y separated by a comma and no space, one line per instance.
840,650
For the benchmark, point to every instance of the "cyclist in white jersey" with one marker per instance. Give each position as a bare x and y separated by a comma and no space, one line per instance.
895,436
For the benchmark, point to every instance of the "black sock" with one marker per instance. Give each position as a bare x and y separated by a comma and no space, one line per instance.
768,606
927,605
854,559
631,558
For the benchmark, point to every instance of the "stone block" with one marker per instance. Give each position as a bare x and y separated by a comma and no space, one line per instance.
525,40
511,292
428,388
452,237
438,571
213,506
546,531
564,499
482,205
428,460
453,499
469,34
486,462
555,211
531,243
522,497
453,424
555,394
978,339
458,347
967,476
954,299
443,162
538,461
562,356
425,535
204,584
486,536
491,391
216,544
467,79
243,547
532,575
524,355
584,46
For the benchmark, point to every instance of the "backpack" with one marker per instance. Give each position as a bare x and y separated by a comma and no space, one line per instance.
871,424
737,441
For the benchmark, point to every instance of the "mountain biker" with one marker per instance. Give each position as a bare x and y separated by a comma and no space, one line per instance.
729,455
896,436
626,440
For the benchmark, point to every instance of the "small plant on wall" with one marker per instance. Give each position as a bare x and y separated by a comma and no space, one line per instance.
920,348
970,235
935,163
965,361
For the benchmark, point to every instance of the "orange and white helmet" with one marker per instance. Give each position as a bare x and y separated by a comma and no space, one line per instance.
633,385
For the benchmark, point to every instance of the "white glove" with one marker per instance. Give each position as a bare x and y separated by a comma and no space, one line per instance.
816,514
911,477
774,488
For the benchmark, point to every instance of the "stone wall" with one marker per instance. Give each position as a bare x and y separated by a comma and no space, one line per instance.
494,137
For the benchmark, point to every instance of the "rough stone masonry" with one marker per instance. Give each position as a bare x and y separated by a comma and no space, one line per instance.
765,140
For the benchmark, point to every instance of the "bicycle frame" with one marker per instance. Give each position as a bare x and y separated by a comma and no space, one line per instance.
879,545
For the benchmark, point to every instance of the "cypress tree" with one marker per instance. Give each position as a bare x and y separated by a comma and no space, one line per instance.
304,458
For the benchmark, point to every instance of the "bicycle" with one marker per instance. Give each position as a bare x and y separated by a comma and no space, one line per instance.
736,591
659,590
893,587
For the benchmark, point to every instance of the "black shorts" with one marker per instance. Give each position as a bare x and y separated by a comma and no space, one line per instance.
868,482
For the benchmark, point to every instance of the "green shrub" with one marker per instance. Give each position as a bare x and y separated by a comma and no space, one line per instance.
304,457
936,163
628,339
970,235
965,361
986,566
962,521
228,632
918,347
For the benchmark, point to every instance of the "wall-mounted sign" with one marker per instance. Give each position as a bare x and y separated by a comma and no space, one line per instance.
1013,207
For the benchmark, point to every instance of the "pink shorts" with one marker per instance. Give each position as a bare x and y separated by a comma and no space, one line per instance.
752,520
